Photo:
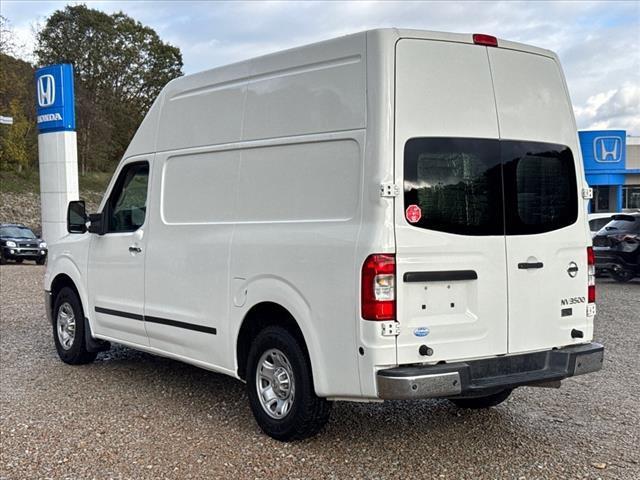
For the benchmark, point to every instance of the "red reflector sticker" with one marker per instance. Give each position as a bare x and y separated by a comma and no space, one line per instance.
413,214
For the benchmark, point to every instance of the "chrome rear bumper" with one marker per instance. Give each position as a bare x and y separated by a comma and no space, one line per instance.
487,376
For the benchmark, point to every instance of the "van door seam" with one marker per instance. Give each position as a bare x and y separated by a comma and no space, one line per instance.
502,188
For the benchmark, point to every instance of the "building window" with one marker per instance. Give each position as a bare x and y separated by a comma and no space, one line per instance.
601,198
631,197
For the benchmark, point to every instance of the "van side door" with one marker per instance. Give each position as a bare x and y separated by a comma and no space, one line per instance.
116,259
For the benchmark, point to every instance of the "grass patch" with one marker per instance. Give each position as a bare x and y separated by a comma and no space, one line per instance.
13,182
93,184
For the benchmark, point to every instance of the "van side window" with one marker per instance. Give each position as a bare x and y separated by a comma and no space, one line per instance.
456,183
127,206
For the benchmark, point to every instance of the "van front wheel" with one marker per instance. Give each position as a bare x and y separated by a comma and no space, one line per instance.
482,402
280,387
68,329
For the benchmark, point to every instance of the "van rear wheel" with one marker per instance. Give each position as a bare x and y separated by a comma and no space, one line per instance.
280,387
482,402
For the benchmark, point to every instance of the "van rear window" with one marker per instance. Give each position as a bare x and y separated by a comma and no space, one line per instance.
489,187
457,184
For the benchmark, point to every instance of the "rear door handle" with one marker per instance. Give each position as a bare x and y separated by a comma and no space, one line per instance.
527,265
134,249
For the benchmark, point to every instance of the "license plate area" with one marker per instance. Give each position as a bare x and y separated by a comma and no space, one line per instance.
435,304
439,298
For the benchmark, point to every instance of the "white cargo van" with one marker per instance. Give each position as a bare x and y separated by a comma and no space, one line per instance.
395,214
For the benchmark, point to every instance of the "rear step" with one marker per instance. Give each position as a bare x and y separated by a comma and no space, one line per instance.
487,376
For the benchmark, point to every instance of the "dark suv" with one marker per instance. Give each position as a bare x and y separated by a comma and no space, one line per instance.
617,247
19,243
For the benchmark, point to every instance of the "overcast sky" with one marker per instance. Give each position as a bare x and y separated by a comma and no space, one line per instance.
598,42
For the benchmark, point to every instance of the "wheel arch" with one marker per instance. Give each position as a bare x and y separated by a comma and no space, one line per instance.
67,274
257,318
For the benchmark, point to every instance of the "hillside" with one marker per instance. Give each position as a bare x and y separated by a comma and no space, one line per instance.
20,198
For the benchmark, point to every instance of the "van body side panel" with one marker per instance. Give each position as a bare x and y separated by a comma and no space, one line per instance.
203,109
261,171
444,90
187,268
315,90
297,224
545,304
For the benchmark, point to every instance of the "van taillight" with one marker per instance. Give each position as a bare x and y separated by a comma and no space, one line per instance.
591,274
378,289
486,40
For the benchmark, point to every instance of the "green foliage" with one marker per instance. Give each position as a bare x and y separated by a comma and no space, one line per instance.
18,142
92,185
120,67
15,146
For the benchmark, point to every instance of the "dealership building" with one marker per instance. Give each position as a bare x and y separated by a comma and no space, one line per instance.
612,167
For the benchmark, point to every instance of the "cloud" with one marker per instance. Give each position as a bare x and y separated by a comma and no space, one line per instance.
617,108
597,41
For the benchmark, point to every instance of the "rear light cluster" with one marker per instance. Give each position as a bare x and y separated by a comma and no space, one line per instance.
378,289
591,274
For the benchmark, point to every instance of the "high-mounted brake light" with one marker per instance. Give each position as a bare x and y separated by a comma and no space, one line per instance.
378,289
486,40
591,275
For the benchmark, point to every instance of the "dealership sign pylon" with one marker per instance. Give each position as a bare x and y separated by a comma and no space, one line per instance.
57,147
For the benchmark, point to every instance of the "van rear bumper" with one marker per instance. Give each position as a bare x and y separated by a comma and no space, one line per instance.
478,378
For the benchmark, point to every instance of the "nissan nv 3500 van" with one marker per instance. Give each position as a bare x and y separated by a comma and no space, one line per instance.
394,214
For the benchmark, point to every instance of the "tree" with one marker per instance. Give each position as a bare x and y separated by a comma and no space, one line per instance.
8,44
120,67
18,142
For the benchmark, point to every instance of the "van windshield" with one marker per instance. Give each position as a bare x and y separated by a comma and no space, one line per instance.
489,187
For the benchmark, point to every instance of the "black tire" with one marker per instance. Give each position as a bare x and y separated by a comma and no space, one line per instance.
3,261
76,353
482,402
40,261
308,413
19,260
622,275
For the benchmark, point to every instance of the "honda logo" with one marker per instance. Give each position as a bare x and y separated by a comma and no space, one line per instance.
607,149
46,91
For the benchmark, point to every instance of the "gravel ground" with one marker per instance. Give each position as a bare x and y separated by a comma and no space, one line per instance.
133,415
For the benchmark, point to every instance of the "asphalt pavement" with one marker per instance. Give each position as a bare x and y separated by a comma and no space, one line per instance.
135,415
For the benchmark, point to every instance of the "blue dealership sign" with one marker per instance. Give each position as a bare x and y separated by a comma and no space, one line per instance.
603,150
55,109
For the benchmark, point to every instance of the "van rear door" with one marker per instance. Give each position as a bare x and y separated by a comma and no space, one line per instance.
546,233
450,252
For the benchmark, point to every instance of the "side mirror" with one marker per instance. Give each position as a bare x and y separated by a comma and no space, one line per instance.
97,224
76,217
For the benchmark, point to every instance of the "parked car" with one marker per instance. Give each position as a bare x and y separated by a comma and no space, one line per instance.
368,218
598,220
19,243
617,247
